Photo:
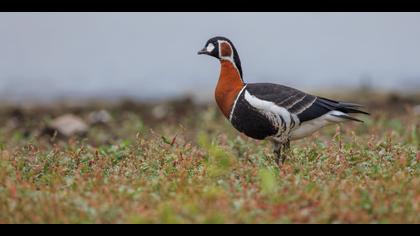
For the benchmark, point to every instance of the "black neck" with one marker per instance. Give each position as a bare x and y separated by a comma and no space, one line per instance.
237,61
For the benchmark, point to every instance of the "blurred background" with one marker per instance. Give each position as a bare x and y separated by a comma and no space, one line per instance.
108,76
47,57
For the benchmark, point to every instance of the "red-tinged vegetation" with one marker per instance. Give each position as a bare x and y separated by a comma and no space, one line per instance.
193,167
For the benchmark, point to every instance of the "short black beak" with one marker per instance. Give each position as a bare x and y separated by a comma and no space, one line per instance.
202,51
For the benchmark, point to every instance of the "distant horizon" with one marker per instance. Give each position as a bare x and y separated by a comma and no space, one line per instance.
48,56
199,96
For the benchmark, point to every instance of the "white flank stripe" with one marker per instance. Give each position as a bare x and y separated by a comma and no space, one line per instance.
270,109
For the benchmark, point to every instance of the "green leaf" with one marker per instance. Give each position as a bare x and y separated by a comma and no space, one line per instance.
269,182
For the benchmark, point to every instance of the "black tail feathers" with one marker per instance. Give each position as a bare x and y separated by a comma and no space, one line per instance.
345,107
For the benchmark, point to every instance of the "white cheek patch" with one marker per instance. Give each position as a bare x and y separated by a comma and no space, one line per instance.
210,47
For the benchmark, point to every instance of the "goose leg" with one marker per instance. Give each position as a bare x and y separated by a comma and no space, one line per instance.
280,151
277,152
286,149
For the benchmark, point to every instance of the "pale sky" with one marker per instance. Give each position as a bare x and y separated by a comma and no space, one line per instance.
154,55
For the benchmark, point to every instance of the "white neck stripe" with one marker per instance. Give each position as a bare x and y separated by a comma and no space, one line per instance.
229,58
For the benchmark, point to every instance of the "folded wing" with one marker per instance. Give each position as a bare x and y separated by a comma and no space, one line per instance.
305,106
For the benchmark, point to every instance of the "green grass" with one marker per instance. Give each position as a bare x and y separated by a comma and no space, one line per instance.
198,169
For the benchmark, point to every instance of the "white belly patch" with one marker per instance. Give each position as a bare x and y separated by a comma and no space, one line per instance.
308,127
